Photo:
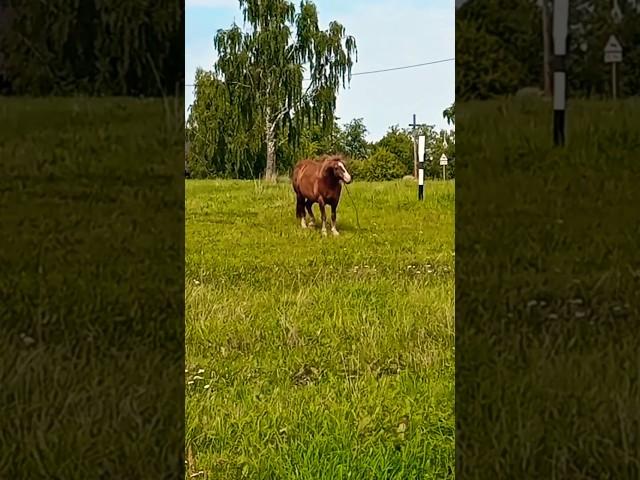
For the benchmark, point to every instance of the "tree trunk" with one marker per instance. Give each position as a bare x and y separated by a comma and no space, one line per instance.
546,42
271,170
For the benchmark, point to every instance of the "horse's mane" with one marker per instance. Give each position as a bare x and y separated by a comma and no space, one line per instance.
326,158
333,156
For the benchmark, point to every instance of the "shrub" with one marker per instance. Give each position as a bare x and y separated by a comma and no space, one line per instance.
357,169
382,165
399,143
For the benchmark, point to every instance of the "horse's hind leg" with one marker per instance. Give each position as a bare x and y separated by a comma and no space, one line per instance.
300,214
323,214
308,205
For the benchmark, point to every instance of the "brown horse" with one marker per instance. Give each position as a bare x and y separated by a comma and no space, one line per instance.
319,181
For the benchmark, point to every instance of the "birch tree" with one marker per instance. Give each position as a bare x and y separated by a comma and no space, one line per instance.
264,68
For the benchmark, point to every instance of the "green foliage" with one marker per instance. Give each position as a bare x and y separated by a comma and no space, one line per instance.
357,168
62,47
219,146
587,74
304,356
486,68
263,70
449,114
354,139
393,155
399,143
499,47
382,165
316,141
436,148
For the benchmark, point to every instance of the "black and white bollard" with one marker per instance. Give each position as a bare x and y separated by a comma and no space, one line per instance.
421,145
560,29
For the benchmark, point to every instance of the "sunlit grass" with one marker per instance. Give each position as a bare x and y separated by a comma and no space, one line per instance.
313,357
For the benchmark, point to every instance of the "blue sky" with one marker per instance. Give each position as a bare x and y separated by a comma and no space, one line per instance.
389,33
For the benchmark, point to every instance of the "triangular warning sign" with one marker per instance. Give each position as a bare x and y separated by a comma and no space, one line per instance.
613,45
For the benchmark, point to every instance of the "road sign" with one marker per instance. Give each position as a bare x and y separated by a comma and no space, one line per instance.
444,160
613,55
613,45
613,50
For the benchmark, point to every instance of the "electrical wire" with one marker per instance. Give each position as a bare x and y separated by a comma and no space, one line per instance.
404,67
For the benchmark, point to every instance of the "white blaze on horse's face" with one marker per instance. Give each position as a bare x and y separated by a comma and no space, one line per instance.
346,178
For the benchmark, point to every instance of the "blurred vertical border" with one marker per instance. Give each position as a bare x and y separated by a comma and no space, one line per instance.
547,297
92,255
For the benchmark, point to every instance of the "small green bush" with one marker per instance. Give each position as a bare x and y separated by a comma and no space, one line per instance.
382,165
357,169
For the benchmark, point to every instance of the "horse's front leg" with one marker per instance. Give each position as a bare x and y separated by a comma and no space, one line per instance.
334,209
323,214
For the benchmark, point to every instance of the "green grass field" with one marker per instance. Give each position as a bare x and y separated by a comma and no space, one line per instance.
547,291
319,358
91,293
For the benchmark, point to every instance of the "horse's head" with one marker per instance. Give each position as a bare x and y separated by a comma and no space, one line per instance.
335,166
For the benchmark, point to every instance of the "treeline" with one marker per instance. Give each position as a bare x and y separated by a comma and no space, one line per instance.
253,116
500,47
218,145
92,47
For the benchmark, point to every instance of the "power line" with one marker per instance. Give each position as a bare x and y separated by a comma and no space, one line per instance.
384,69
402,68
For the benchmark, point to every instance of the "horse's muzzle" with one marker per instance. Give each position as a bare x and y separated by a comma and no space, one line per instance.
347,178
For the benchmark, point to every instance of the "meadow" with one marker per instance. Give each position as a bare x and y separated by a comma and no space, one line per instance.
547,295
319,358
91,204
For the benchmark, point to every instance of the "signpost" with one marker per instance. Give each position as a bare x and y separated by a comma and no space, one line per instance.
560,28
421,148
416,158
444,161
613,55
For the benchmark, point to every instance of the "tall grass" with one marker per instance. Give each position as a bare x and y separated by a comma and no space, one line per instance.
319,358
547,291
91,293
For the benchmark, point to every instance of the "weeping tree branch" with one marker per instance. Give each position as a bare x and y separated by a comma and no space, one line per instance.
271,55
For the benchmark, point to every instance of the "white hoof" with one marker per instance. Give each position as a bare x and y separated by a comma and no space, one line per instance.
303,224
335,232
324,232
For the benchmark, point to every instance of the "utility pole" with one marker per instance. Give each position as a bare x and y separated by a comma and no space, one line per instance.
414,134
560,30
421,155
546,42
